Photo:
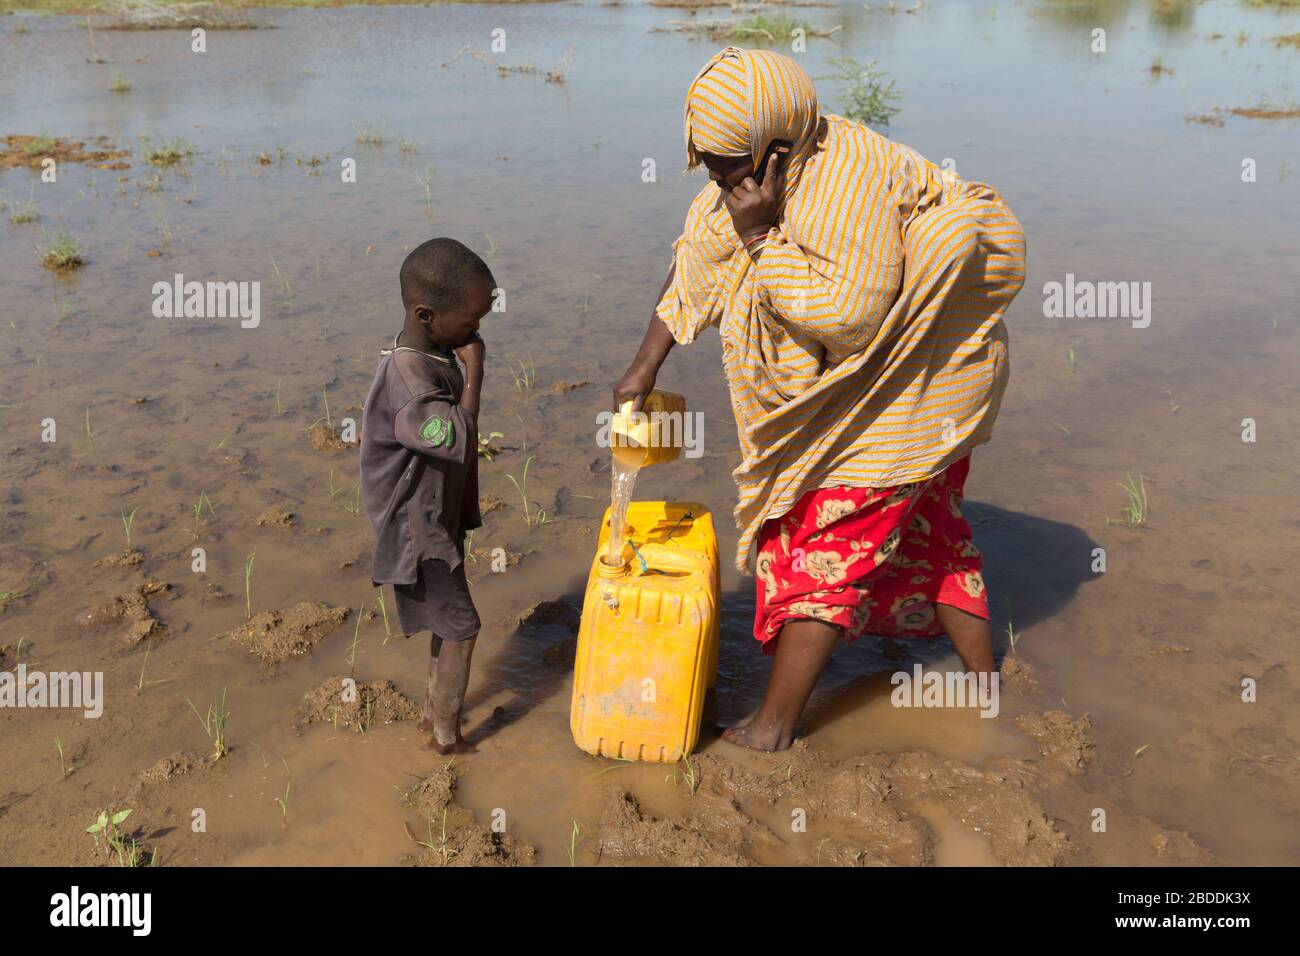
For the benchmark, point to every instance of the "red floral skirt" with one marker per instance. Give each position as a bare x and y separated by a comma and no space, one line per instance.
870,560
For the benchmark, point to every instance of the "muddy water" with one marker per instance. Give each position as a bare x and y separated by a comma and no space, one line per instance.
1094,154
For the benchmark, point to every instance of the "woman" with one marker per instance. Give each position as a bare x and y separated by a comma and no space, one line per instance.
859,293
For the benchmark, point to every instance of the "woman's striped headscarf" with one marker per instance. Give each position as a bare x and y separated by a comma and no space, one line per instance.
744,99
865,345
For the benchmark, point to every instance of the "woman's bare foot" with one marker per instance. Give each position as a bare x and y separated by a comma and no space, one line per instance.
803,648
766,738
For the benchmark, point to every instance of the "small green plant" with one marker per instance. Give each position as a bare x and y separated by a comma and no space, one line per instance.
867,97
248,585
1012,636
198,511
171,153
383,609
141,683
532,517
573,844
153,182
369,135
63,254
24,213
406,147
278,410
119,83
106,828
1073,362
440,845
127,522
356,633
89,433
40,146
426,182
63,766
527,376
690,773
485,447
329,422
214,724
9,597
284,801
779,27
1135,513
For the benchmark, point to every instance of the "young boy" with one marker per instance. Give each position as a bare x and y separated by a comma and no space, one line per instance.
419,467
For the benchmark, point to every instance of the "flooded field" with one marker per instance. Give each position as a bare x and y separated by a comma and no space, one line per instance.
1125,688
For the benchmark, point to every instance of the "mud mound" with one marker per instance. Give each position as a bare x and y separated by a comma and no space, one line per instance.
148,15
489,503
708,838
275,518
325,439
560,613
488,557
167,769
448,835
32,150
339,700
563,387
1061,739
133,608
127,559
1017,676
996,804
872,800
858,796
276,636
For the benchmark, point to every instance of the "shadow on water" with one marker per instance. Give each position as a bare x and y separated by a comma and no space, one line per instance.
1032,567
533,665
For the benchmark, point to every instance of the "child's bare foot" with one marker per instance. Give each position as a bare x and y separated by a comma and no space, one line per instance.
458,746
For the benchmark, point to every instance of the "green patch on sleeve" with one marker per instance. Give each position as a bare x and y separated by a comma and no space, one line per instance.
438,431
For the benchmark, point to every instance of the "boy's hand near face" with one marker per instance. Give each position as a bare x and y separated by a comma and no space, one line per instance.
471,356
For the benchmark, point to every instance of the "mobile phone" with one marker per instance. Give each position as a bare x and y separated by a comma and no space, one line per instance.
780,147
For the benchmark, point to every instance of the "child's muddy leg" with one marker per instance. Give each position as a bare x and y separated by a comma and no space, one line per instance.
802,650
970,636
426,718
449,695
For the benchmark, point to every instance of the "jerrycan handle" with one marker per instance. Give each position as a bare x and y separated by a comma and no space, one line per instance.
661,557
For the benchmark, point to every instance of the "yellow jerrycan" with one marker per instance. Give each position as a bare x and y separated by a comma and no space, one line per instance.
654,435
648,641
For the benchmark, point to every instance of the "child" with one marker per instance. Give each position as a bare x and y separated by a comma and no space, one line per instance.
419,467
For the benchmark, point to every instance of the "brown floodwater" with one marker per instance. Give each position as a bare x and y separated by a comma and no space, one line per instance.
1093,152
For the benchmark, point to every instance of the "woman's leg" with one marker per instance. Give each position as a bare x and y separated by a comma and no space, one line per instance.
970,636
802,650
